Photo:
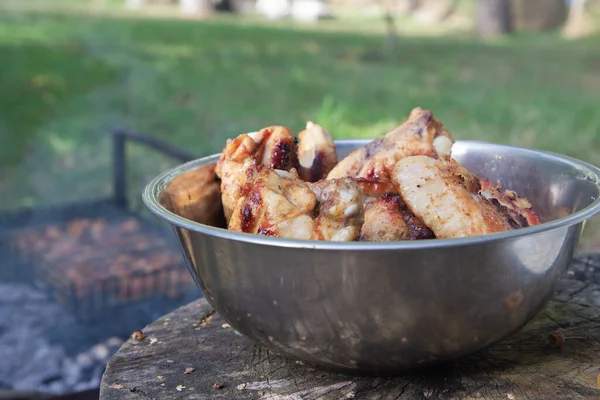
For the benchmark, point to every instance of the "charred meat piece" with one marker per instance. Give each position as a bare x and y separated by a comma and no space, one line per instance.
195,195
278,203
274,147
317,154
449,200
340,215
421,134
446,197
277,148
118,258
517,211
401,186
274,203
386,216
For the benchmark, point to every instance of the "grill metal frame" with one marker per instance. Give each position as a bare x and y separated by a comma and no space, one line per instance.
106,295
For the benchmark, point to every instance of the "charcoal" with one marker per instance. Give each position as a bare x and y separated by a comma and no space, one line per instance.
75,281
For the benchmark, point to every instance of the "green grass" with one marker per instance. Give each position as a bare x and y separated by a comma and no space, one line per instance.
66,78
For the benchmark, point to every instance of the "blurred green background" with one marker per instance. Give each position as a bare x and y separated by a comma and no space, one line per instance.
71,70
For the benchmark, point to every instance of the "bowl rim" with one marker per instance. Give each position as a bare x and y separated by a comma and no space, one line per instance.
152,191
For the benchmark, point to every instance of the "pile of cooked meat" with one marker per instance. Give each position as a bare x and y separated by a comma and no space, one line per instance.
401,186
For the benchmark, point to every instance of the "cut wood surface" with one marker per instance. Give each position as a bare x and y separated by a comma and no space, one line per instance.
193,353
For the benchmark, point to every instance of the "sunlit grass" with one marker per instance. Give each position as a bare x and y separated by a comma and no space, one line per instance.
66,79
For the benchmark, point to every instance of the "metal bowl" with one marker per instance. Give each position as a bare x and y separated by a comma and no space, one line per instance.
380,308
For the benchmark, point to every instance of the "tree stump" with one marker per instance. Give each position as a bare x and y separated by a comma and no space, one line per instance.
194,354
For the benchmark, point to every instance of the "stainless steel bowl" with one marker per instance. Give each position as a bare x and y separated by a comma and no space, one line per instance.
379,308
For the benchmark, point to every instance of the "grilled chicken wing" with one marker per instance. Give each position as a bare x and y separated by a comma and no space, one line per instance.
402,186
278,203
421,134
316,153
195,195
274,203
516,210
274,147
340,210
448,198
386,216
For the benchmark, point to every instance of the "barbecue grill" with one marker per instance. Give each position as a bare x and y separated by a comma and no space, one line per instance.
99,255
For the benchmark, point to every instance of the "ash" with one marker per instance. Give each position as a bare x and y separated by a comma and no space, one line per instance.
45,348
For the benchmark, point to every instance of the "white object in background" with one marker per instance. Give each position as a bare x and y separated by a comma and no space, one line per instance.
309,10
134,4
273,9
189,7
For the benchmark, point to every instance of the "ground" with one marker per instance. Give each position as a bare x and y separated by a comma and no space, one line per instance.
67,76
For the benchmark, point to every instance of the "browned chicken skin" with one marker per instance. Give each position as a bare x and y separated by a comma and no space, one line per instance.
386,216
274,203
195,195
450,199
517,211
274,147
401,186
421,134
316,153
341,213
278,203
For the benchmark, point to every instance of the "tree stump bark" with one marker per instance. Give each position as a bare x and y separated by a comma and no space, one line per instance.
193,354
